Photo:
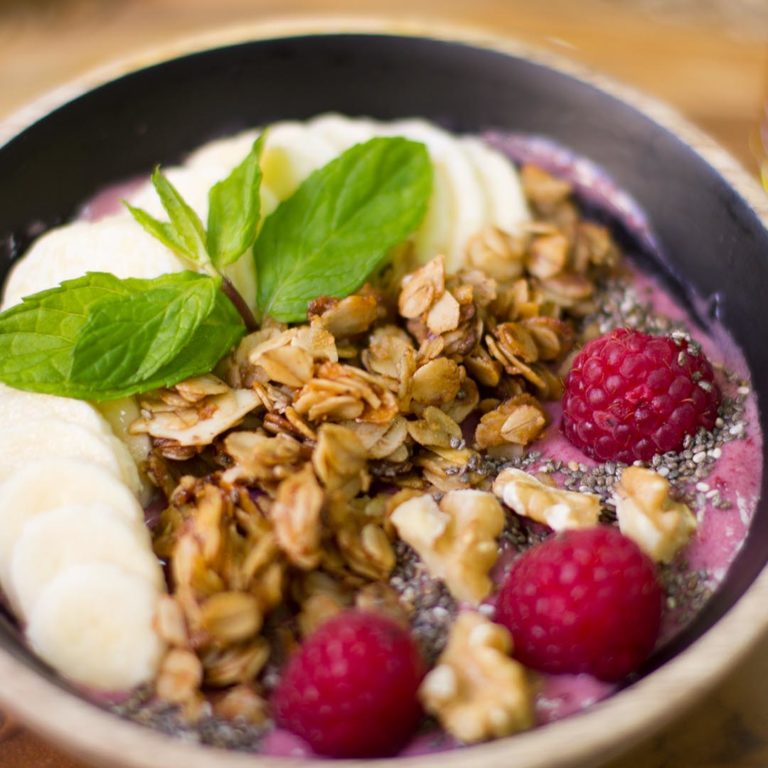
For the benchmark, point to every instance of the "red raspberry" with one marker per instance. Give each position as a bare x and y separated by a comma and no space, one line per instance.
350,690
584,601
629,396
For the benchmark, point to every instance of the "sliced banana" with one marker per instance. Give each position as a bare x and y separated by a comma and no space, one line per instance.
116,244
458,208
343,132
291,153
18,407
74,535
93,623
120,414
203,169
46,484
222,155
499,181
21,444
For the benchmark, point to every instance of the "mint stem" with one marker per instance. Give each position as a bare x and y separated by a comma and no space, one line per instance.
234,296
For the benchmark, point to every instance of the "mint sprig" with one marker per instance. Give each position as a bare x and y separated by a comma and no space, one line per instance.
126,339
234,207
67,340
340,224
99,337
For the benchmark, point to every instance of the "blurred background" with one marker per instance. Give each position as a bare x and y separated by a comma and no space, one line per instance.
707,58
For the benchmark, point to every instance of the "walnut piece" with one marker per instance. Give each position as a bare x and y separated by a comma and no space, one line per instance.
545,504
660,526
456,538
477,691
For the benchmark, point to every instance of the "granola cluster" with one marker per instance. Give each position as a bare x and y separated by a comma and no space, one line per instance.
296,474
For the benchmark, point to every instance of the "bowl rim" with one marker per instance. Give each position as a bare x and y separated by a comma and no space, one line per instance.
96,735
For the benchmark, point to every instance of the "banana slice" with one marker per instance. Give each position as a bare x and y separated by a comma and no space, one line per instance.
93,624
499,180
292,151
458,207
116,244
18,407
21,444
342,132
222,155
202,170
50,483
75,535
120,414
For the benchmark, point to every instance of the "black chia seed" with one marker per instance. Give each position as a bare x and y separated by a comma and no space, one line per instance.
430,606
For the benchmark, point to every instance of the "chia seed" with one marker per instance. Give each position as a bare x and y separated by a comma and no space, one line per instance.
430,606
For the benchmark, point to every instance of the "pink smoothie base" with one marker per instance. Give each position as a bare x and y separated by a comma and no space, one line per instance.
737,473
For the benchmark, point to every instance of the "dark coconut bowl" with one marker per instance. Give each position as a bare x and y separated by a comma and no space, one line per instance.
705,212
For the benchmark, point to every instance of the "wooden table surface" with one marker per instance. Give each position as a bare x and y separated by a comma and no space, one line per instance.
709,58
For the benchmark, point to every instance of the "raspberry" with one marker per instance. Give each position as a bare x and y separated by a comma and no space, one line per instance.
629,396
350,690
584,601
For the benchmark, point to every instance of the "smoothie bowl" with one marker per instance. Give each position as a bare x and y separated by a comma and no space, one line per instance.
409,411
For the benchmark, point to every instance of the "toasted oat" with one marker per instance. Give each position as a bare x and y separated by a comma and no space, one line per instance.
296,517
519,420
195,424
497,254
422,288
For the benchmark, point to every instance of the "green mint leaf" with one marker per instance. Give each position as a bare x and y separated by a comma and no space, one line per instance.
161,230
39,337
128,338
213,339
340,224
234,205
184,234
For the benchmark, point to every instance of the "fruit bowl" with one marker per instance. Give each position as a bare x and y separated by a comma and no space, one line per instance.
705,215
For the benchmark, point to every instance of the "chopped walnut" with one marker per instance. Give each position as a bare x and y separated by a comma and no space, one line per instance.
660,526
477,691
556,508
456,538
